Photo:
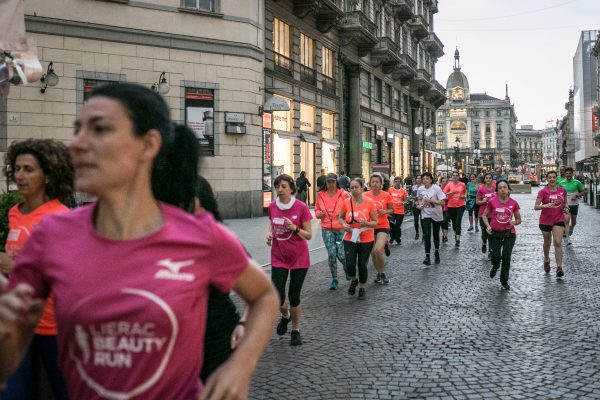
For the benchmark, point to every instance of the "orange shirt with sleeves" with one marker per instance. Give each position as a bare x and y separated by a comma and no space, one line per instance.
361,211
331,207
382,201
398,198
21,225
458,196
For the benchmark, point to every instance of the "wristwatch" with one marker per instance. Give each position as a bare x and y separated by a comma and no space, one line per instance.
297,230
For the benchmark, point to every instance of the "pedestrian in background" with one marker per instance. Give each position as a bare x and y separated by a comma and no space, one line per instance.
359,218
134,261
416,209
552,201
330,201
44,174
500,217
383,203
456,191
432,200
289,232
344,181
485,192
302,185
399,197
446,222
321,179
575,191
472,206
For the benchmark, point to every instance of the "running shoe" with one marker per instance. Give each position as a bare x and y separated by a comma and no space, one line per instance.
571,231
437,257
399,241
361,294
348,277
490,256
505,286
568,241
296,339
334,284
470,229
484,248
559,272
457,244
417,236
378,279
283,325
444,239
384,279
476,228
547,267
352,288
387,251
493,272
427,260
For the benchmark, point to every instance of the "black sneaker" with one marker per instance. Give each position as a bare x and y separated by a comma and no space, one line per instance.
361,294
493,272
505,286
437,257
399,241
427,260
387,251
444,239
484,248
283,325
470,229
352,288
296,339
384,279
378,279
457,244
559,273
417,236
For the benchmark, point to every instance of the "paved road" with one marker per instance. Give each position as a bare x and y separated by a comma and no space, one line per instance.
447,331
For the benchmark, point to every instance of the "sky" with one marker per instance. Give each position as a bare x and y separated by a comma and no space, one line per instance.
527,44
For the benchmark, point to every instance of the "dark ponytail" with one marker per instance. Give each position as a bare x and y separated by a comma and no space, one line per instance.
207,198
176,165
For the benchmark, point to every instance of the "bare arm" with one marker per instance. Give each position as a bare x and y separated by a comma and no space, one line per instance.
517,220
538,204
484,217
232,379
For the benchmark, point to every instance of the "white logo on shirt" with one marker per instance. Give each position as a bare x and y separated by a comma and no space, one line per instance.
172,270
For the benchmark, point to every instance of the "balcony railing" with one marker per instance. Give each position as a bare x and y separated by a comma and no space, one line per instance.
356,27
308,75
329,85
284,65
403,9
419,27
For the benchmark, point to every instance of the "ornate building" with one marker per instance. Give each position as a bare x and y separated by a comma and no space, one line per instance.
529,145
475,131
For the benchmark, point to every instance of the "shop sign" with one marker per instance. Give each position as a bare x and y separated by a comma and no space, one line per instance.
234,118
367,145
276,104
379,130
267,120
307,118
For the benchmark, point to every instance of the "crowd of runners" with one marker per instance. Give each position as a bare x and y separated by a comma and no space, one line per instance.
130,295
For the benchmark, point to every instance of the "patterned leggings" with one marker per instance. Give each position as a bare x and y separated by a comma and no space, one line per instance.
334,242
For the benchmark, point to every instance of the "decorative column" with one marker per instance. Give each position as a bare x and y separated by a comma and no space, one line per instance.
354,131
415,160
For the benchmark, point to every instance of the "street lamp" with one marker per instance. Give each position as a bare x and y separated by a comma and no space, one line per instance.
457,146
423,133
476,154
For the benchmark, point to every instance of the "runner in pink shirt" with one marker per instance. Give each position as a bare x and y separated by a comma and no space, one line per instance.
446,222
131,274
500,217
552,200
456,191
484,194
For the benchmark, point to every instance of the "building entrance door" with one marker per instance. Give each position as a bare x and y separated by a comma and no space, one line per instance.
307,164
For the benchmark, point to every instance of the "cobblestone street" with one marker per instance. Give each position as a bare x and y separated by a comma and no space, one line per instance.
448,331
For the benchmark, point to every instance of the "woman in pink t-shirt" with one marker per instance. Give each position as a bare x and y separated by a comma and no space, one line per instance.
446,222
552,200
456,191
500,217
131,269
484,194
289,232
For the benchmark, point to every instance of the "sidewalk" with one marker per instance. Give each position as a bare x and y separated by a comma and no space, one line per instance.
252,232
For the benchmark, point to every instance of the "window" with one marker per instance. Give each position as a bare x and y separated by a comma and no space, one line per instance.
199,116
476,113
389,94
498,127
388,28
377,90
476,126
202,5
307,118
365,83
281,47
405,103
487,113
307,51
397,101
327,62
487,143
499,113
488,129
378,22
328,125
440,129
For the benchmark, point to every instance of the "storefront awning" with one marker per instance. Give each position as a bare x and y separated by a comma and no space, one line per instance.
286,135
332,142
310,138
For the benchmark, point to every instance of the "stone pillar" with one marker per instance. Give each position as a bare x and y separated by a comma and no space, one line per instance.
354,128
415,161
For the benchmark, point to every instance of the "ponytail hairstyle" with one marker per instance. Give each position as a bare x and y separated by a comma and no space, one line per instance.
207,198
176,165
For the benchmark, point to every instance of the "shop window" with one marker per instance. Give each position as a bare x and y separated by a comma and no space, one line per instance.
199,116
282,47
328,156
328,125
283,120
307,118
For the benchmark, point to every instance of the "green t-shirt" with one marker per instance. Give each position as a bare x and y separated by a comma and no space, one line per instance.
572,187
560,179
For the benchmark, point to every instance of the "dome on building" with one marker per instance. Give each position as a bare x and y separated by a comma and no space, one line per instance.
457,78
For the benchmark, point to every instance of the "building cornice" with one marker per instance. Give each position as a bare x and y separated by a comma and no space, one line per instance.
52,26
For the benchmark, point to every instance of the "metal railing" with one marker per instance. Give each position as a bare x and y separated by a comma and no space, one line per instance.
308,75
284,64
329,85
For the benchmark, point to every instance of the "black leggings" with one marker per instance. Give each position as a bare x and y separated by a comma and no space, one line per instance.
417,218
428,223
484,234
279,277
446,220
360,251
456,215
502,247
396,225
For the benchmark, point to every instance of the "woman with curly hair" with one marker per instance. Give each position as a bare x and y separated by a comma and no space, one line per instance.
43,172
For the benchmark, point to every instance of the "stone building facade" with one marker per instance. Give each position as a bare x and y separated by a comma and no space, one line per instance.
475,131
565,137
549,148
359,77
212,57
529,145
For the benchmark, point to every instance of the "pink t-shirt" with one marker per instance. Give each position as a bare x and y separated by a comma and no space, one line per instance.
484,193
288,249
131,314
500,214
558,198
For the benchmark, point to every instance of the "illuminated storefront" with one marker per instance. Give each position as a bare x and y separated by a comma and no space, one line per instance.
329,145
283,141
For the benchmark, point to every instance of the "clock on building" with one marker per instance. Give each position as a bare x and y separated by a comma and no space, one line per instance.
458,94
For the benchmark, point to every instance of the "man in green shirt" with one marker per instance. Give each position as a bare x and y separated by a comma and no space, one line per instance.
575,190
